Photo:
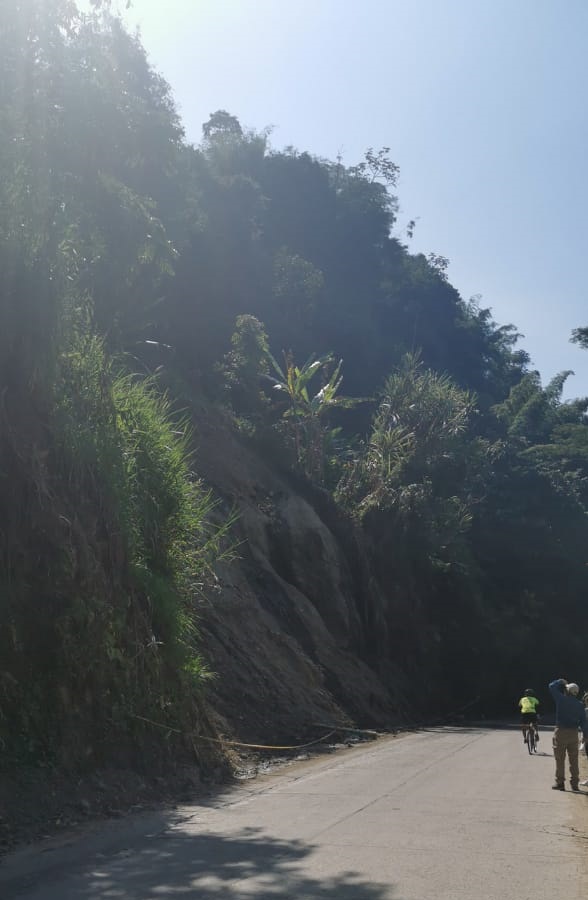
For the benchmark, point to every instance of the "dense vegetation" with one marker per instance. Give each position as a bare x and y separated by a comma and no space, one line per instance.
137,271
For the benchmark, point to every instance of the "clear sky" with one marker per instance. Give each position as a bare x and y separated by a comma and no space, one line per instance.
482,103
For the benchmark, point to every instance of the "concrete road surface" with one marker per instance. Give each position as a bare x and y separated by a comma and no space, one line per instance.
446,814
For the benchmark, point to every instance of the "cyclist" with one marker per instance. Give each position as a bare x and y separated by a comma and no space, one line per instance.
528,706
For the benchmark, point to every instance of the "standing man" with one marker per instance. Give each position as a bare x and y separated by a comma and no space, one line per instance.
569,716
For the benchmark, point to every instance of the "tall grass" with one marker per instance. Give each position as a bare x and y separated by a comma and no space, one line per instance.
100,625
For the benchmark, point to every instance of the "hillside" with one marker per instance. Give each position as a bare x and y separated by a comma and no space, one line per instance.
261,466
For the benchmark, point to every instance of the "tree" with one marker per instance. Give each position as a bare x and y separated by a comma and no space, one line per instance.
417,453
105,533
580,336
305,411
245,365
377,167
222,123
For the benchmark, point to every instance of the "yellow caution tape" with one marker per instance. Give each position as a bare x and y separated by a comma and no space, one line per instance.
240,743
267,746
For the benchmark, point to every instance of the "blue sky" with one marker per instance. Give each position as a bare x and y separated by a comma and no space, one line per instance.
482,103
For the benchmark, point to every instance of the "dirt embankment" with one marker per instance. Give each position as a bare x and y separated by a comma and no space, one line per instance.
286,631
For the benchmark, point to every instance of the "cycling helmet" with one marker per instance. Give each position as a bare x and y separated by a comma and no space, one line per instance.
573,689
529,692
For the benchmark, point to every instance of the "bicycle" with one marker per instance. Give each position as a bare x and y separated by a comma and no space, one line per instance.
531,737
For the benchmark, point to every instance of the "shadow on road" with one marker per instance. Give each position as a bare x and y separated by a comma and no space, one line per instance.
209,867
165,859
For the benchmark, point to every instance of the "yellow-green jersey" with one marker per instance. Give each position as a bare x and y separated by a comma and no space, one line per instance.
528,705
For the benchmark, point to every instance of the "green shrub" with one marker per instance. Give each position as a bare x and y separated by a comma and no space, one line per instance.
98,621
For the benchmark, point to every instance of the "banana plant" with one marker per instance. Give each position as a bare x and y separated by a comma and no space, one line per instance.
306,408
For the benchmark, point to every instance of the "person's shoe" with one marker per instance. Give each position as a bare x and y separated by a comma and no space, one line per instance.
558,787
575,788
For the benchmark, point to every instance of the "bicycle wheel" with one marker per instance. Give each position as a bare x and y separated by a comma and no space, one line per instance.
530,740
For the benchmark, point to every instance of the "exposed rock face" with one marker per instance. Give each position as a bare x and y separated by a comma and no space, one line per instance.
288,630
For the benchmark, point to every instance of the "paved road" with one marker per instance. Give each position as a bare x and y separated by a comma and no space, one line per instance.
450,814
